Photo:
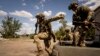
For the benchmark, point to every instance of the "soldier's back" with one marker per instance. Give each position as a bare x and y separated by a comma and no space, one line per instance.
83,11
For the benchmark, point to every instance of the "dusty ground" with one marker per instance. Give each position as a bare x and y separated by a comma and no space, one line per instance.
17,47
26,47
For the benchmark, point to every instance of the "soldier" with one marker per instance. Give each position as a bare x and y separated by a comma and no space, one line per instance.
69,34
81,17
45,32
76,25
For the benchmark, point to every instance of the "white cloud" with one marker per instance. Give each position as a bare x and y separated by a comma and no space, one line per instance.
60,13
42,3
56,25
25,14
97,3
3,13
47,13
70,24
22,13
36,7
24,4
33,20
26,29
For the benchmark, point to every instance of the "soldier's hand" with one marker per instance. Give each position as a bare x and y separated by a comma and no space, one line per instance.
86,22
62,15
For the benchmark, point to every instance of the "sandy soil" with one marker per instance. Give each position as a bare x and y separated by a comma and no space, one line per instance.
18,47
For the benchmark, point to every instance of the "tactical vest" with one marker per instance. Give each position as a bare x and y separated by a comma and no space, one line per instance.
83,12
76,19
44,26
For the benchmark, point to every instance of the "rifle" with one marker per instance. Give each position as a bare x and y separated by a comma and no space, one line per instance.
96,25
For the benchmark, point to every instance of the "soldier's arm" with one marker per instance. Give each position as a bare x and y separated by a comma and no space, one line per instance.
76,19
61,16
90,17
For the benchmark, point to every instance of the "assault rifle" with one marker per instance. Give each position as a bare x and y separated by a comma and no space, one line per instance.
96,25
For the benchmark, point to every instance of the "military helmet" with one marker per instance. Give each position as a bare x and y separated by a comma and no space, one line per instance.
67,30
39,15
72,5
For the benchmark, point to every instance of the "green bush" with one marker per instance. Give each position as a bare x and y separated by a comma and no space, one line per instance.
9,27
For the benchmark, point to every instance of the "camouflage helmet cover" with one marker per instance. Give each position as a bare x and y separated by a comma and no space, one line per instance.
67,30
72,5
40,15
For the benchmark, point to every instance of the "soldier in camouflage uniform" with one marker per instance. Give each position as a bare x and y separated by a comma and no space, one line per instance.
45,32
69,34
81,17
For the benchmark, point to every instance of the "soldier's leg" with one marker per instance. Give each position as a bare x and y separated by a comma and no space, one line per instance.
53,36
37,39
43,35
76,38
43,53
46,42
50,48
38,42
82,38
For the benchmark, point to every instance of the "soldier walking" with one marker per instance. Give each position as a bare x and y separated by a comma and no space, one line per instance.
81,18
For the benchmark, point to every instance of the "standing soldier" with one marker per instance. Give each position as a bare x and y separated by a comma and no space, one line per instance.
81,17
45,32
76,25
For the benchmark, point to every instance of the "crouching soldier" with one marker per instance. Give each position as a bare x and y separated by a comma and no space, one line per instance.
45,32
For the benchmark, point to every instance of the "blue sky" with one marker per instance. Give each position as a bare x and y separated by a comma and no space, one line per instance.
25,11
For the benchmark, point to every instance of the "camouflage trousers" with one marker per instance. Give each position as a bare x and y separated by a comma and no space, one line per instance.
39,39
79,36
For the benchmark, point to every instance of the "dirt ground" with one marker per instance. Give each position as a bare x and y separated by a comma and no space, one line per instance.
18,47
26,47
